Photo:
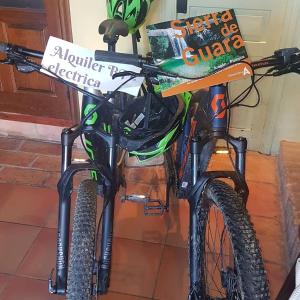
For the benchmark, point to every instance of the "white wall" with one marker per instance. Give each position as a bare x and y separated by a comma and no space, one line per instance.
283,122
87,17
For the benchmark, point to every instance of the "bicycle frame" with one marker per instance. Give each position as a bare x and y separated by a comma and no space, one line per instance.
102,149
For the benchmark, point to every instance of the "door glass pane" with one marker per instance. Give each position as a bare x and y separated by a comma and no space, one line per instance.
23,3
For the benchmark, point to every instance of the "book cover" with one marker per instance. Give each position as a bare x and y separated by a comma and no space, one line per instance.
203,49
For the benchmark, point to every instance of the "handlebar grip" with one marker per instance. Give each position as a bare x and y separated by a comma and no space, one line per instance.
115,57
3,47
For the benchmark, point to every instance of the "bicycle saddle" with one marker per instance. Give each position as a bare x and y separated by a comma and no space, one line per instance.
112,29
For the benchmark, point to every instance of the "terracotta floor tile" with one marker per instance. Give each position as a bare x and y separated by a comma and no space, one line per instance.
4,280
134,267
261,168
118,296
137,188
257,164
7,143
142,175
48,163
41,147
52,180
26,205
40,259
271,239
263,200
173,278
276,275
179,224
79,154
158,191
27,289
272,250
269,228
16,158
220,162
23,176
15,241
131,223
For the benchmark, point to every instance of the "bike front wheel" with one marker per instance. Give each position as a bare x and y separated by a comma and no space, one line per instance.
80,273
226,251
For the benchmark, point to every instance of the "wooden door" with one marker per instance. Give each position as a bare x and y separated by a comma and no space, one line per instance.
34,97
261,24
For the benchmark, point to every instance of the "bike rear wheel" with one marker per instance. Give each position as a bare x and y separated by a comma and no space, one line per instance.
229,261
80,273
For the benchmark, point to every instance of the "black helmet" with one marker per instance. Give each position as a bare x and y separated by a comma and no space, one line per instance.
151,124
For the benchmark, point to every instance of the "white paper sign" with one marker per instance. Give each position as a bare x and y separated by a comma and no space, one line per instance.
77,65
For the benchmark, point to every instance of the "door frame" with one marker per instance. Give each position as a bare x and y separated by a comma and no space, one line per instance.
61,13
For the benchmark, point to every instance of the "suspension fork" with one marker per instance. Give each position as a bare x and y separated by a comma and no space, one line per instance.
215,104
196,148
67,140
104,151
104,263
218,114
219,122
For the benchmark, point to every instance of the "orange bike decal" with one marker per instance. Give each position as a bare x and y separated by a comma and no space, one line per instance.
215,107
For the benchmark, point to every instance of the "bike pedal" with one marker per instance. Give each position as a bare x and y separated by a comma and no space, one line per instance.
154,207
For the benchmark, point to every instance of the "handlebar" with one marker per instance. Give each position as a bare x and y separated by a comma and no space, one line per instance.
145,63
121,58
283,61
18,50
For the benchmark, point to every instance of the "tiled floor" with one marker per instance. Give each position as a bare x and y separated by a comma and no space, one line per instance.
149,253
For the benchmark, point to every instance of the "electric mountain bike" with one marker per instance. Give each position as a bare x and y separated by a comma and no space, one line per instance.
224,256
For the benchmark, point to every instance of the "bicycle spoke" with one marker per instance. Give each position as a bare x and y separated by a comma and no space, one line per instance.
217,259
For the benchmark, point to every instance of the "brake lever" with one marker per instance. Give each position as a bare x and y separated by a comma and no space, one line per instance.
291,68
282,72
127,73
23,68
296,70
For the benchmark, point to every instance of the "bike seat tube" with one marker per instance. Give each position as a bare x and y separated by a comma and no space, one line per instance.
217,108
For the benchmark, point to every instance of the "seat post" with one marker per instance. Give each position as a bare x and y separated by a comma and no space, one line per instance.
111,47
111,30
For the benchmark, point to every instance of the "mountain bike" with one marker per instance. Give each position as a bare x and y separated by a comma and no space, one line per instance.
224,257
